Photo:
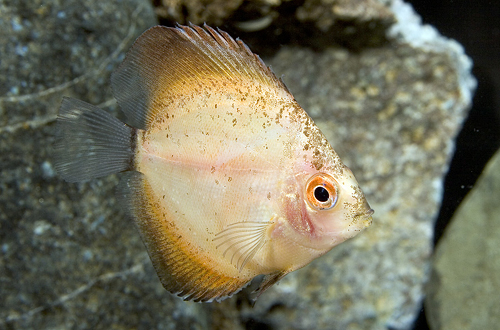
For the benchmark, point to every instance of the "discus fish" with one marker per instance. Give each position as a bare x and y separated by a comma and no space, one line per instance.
228,177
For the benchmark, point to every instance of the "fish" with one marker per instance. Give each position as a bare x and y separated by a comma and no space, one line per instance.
224,173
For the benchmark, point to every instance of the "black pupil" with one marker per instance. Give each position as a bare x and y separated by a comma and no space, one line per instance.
321,194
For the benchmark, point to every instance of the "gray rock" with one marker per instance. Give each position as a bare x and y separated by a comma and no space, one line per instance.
463,290
212,12
71,259
326,13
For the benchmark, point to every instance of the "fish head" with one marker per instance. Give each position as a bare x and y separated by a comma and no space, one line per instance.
336,205
327,206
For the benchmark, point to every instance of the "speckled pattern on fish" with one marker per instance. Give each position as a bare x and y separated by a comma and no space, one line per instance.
228,177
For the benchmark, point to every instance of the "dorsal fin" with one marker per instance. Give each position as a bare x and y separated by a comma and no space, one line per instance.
166,62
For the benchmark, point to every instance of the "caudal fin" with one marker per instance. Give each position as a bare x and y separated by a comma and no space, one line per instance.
90,142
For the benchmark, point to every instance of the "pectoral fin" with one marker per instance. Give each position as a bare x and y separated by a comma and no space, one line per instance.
242,240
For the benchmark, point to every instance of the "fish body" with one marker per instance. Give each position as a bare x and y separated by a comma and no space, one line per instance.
229,178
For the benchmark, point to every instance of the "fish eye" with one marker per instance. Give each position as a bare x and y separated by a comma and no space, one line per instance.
321,194
321,191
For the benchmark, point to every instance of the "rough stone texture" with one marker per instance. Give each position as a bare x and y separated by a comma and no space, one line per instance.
325,13
197,11
463,290
71,259
352,23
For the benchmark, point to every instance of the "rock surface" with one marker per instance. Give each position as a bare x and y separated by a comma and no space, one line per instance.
463,290
323,13
71,259
315,23
212,12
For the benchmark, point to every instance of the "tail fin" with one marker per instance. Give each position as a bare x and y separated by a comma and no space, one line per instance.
90,142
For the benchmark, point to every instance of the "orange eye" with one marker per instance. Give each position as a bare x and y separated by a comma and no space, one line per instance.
321,191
